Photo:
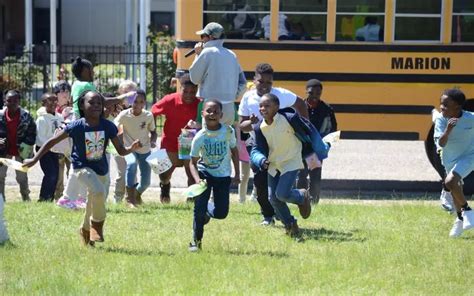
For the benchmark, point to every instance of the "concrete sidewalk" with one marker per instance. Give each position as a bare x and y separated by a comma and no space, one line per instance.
353,165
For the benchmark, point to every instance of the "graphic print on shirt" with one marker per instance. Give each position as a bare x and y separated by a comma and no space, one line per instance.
95,144
214,153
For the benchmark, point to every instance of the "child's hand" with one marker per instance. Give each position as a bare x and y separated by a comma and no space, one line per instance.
153,144
452,123
265,165
192,124
235,180
29,162
253,119
136,145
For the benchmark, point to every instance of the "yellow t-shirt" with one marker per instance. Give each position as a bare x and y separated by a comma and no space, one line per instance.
284,147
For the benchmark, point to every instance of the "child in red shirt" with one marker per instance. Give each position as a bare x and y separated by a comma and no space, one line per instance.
178,108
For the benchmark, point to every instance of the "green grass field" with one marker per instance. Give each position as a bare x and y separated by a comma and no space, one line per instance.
355,247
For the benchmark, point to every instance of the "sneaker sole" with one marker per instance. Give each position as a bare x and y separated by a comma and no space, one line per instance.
468,227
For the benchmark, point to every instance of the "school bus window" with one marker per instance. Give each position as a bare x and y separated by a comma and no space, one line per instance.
418,20
240,19
301,20
360,20
463,21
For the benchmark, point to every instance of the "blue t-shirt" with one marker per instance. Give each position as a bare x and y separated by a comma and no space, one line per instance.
213,148
89,143
460,140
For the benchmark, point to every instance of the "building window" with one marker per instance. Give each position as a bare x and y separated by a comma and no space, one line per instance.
301,20
162,22
418,20
360,20
463,21
240,19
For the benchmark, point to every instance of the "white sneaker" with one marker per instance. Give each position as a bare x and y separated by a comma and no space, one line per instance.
254,196
457,230
468,219
447,201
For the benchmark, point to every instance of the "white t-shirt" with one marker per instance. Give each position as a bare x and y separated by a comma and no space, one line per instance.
250,103
282,31
136,127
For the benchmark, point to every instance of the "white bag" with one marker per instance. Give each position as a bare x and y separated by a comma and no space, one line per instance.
3,228
159,161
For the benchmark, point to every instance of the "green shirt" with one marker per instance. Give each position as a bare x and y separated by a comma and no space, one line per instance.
78,87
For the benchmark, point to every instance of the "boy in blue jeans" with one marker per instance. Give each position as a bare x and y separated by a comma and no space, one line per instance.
212,149
454,135
278,150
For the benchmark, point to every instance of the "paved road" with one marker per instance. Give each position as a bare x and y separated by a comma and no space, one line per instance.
350,163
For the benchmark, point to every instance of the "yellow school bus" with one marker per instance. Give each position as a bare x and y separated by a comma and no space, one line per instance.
383,63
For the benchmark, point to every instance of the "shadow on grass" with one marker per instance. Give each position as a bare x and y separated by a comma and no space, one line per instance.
322,234
258,253
134,252
148,210
8,245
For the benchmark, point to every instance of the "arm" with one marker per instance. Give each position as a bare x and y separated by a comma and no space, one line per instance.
333,121
236,163
153,137
108,102
30,135
242,83
45,148
41,130
246,123
198,69
300,107
122,151
193,169
443,140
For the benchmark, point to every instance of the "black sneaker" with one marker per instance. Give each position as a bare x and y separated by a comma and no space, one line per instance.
207,218
195,246
165,193
314,200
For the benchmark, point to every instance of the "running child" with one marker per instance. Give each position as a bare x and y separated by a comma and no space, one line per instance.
212,149
62,89
322,116
454,135
278,150
83,70
179,108
90,135
137,123
126,86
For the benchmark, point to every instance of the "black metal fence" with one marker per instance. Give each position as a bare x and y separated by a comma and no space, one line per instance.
31,72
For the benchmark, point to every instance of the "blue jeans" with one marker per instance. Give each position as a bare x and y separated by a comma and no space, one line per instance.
135,160
50,166
220,187
280,192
